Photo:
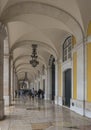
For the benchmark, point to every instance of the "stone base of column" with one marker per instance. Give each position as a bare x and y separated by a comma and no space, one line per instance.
88,109
46,97
60,101
49,96
1,109
56,99
12,98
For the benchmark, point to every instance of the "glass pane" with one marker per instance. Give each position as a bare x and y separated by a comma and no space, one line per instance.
69,48
69,41
65,52
65,44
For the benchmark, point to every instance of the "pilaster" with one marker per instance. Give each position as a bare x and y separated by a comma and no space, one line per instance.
78,103
2,37
6,72
88,77
56,82
10,78
6,80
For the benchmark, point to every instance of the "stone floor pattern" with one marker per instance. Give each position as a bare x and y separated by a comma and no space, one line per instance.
42,115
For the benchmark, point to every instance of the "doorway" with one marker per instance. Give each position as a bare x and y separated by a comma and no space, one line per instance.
44,85
67,87
53,79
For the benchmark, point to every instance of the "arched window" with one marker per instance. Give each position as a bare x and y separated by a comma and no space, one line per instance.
67,46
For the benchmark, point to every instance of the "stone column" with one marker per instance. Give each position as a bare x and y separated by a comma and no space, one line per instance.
13,88
10,78
2,36
41,82
56,82
46,85
49,82
6,72
37,84
9,82
16,82
15,85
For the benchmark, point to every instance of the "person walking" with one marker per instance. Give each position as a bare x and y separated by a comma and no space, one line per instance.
33,93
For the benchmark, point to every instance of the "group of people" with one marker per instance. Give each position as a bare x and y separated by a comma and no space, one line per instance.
29,92
40,93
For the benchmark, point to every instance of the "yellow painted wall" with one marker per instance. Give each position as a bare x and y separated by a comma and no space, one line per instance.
89,72
89,65
73,41
89,29
59,80
75,75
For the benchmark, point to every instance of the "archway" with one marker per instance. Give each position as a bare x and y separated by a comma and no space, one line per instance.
53,79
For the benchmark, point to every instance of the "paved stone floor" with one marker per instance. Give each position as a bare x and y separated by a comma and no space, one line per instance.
42,115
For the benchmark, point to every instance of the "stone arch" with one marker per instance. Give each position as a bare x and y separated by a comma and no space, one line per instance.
41,60
47,47
44,9
21,72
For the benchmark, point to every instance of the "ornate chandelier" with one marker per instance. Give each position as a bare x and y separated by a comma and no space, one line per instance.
34,56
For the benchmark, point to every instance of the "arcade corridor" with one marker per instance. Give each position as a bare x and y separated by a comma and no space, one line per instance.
45,46
42,115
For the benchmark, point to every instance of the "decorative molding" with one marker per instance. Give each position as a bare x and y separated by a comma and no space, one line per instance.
6,55
66,65
60,101
88,109
88,106
77,46
77,106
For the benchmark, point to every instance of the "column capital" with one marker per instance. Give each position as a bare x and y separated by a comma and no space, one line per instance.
3,32
48,67
6,56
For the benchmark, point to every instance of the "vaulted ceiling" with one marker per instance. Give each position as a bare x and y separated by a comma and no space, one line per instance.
43,22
